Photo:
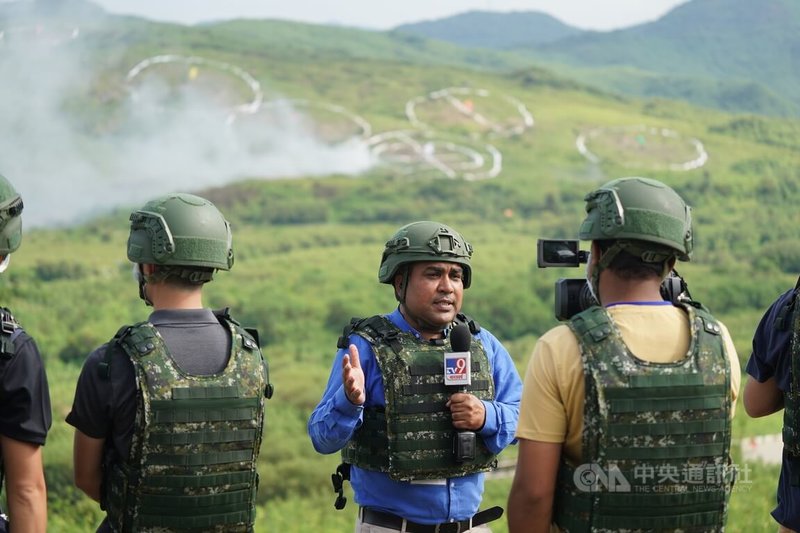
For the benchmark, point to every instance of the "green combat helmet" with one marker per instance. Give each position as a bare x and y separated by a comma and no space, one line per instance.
10,219
425,241
182,230
640,209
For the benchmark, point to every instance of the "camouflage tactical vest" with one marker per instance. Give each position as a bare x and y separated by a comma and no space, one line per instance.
412,437
192,464
9,330
791,398
656,436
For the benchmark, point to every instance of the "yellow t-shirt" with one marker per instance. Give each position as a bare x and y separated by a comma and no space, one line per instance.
553,394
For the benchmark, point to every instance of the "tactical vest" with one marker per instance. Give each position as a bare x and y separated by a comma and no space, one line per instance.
9,331
656,436
192,463
789,315
412,436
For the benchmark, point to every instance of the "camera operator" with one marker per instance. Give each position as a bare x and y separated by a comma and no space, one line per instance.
630,396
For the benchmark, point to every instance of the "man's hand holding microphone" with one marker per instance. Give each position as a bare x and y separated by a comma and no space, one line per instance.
468,412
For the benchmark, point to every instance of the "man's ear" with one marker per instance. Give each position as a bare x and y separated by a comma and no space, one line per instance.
148,269
399,282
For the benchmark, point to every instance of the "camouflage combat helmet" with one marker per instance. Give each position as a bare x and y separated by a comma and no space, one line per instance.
180,229
425,241
10,219
640,209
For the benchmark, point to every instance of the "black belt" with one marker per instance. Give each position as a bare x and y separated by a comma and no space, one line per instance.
391,521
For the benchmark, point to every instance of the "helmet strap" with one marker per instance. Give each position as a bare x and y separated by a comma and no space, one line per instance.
140,279
401,297
4,263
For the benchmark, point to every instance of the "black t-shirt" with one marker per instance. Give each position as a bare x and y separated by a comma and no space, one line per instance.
105,407
25,413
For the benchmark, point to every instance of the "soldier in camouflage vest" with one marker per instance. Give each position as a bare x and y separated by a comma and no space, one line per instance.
413,448
168,415
625,421
25,406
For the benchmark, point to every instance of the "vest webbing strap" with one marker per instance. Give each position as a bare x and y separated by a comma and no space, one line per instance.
651,503
433,388
172,414
212,458
647,511
665,404
652,381
687,451
203,437
408,460
369,461
9,330
427,444
192,521
206,480
170,504
425,407
666,428
637,521
214,403
197,393
666,392
442,424
663,503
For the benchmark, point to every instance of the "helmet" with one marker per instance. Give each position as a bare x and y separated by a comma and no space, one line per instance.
640,209
425,241
180,229
10,219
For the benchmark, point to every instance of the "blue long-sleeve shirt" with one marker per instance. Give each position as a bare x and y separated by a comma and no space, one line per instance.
335,419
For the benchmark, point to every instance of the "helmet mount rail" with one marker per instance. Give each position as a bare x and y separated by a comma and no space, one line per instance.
424,241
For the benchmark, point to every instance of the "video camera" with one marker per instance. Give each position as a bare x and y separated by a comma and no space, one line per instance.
574,295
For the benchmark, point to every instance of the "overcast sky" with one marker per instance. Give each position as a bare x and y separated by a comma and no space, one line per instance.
382,14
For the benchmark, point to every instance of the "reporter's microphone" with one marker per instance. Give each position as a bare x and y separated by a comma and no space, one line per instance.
458,373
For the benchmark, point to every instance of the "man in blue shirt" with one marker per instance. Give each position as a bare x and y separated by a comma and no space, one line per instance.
418,448
772,385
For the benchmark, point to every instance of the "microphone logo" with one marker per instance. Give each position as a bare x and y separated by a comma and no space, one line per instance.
456,369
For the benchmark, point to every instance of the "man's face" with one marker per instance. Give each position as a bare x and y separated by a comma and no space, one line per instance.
433,296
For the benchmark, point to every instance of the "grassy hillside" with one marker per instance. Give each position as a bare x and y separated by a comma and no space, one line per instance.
307,250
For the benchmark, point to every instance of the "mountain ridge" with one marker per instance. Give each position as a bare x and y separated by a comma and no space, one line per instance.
717,51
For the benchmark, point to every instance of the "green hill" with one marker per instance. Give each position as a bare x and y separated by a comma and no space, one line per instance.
732,41
735,55
307,249
482,29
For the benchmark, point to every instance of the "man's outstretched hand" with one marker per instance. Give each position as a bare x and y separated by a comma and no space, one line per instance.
353,377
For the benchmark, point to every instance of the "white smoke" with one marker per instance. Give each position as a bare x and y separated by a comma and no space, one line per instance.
66,173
